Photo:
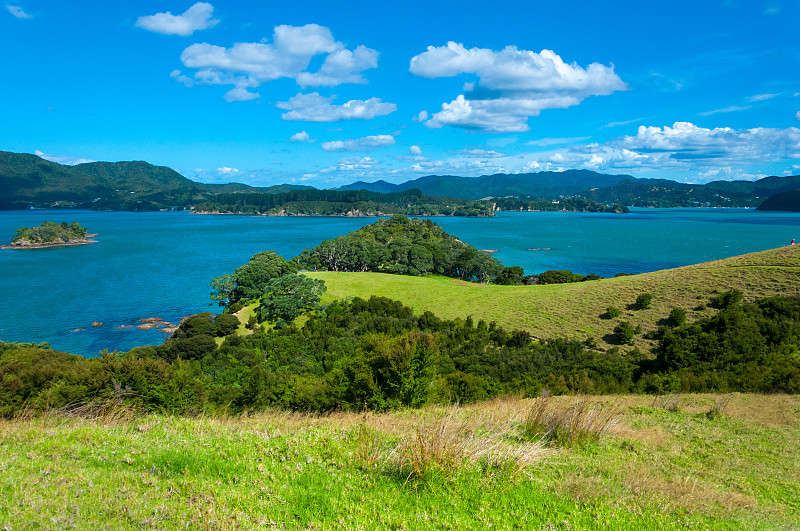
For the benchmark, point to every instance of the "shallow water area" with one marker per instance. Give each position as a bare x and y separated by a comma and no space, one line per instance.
159,264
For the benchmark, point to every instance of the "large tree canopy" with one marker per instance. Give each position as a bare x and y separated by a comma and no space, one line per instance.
249,281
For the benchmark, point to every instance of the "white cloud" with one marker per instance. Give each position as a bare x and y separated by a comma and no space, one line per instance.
18,11
359,144
797,116
197,17
616,124
315,108
512,86
550,141
352,164
251,64
62,159
481,153
302,136
728,174
415,151
762,97
179,77
732,108
421,117
718,153
240,94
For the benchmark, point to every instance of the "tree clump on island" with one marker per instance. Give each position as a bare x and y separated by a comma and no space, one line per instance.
403,246
49,233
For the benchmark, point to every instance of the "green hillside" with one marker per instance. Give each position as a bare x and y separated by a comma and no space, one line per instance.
782,202
577,310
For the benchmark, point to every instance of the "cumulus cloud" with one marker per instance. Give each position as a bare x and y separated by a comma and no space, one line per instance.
359,144
62,159
302,136
240,94
315,108
512,85
718,153
421,117
415,151
197,17
251,64
18,11
352,164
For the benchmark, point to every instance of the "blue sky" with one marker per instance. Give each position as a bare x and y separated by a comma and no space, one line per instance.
327,93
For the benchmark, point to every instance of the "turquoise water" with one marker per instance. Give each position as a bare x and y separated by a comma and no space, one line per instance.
159,264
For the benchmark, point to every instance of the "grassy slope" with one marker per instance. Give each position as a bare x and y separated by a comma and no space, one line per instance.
658,469
575,310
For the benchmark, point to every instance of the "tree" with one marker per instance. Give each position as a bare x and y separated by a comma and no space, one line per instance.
248,281
510,276
730,298
287,296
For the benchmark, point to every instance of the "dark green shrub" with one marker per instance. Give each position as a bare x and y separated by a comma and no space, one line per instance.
644,300
225,324
677,317
613,312
730,298
625,333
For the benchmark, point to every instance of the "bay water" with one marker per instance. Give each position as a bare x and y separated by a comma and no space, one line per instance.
159,264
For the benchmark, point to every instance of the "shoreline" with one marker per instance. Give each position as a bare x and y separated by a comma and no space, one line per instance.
48,245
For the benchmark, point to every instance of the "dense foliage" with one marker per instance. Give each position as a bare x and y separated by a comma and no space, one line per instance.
562,205
403,246
249,281
50,232
376,354
336,203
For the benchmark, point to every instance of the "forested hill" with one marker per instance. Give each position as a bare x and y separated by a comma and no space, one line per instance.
585,184
402,246
783,202
343,203
542,185
30,181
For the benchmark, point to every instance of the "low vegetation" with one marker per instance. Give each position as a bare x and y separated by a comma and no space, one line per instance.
655,468
49,233
586,309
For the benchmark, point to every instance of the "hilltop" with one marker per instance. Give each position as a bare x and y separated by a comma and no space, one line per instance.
577,310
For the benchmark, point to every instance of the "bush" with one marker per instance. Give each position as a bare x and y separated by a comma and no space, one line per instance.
613,312
730,298
225,324
625,333
644,300
677,317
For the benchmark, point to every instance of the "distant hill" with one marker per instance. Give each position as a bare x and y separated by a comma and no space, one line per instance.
542,185
585,184
783,202
30,181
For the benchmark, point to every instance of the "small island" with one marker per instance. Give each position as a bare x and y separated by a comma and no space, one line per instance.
50,234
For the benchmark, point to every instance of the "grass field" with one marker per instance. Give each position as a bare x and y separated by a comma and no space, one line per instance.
667,463
576,310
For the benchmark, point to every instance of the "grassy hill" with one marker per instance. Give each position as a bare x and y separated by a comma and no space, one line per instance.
576,310
665,463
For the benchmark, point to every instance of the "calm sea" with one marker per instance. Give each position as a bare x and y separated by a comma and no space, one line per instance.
159,264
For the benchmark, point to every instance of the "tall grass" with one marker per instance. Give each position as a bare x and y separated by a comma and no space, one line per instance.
570,425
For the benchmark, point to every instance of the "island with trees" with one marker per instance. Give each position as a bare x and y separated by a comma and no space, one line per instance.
50,234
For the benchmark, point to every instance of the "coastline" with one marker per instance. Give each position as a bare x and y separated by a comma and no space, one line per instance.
49,245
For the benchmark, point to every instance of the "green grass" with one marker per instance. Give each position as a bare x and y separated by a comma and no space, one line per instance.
656,469
576,310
